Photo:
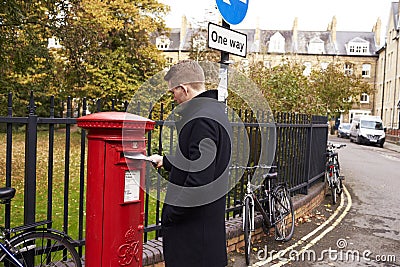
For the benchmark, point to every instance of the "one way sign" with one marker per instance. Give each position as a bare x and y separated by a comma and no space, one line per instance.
227,40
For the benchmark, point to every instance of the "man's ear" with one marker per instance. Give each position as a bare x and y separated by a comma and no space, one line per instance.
185,88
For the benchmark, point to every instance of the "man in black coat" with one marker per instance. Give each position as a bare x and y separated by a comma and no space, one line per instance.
193,216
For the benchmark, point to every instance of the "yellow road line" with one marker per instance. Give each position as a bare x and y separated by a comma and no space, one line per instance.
309,235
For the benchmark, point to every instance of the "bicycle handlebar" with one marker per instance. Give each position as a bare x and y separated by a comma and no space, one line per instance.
332,145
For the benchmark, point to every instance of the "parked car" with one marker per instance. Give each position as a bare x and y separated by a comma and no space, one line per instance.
367,130
344,130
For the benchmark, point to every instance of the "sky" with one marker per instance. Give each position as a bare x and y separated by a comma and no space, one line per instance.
313,15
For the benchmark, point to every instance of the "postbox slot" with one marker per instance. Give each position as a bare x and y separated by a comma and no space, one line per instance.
121,159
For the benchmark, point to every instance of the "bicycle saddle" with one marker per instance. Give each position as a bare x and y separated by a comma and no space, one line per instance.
7,193
271,175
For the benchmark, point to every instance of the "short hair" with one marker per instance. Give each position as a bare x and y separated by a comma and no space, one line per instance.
184,72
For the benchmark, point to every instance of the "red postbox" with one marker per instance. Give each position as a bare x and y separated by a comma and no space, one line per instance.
115,196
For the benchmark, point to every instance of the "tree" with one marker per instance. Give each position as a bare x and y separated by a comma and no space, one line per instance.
198,40
25,62
285,87
328,91
337,91
105,48
108,46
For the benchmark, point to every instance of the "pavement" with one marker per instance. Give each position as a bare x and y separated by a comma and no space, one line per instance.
392,146
311,228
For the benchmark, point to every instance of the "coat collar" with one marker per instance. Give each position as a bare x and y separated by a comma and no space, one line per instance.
196,103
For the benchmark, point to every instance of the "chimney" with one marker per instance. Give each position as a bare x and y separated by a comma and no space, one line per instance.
295,34
377,30
398,10
332,29
184,26
257,33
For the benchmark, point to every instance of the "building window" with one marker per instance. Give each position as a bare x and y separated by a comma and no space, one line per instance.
307,68
277,43
364,98
170,61
316,46
267,64
366,70
163,42
53,43
324,65
357,46
348,69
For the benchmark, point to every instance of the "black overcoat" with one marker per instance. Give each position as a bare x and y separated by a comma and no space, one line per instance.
193,227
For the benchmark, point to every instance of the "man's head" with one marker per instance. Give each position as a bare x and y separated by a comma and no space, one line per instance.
185,80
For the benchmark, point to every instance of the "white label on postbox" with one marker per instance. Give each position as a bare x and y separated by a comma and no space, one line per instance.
132,186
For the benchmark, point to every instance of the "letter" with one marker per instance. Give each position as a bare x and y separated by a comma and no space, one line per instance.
308,255
237,45
225,41
333,254
294,255
366,255
214,36
264,252
241,47
352,255
281,255
322,256
271,253
233,43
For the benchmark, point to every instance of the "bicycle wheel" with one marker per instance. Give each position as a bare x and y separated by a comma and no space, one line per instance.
334,190
283,212
247,229
339,184
42,249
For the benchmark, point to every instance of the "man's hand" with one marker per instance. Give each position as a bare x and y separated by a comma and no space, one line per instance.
156,159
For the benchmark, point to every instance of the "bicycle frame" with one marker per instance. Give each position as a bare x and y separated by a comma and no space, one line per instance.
9,254
256,204
273,215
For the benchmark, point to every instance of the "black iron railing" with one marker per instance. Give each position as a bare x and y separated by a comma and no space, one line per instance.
299,156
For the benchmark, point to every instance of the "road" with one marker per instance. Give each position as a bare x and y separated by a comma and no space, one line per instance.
362,230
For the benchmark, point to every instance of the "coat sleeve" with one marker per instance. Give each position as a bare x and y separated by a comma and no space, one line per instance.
167,164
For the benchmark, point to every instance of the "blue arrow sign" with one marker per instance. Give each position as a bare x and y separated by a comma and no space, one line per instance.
233,11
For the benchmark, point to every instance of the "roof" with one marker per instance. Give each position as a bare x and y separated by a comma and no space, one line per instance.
395,10
255,44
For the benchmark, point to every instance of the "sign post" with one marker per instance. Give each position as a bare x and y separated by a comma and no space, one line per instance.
232,12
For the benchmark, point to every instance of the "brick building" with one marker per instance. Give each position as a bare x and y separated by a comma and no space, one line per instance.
387,98
356,51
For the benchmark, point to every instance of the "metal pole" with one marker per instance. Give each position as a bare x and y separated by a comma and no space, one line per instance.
223,71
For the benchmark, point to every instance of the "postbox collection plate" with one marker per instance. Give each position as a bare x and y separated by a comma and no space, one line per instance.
132,185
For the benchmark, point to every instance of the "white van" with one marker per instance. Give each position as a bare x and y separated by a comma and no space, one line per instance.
367,130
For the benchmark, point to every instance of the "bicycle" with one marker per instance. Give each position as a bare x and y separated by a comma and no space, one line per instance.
332,173
34,244
279,212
